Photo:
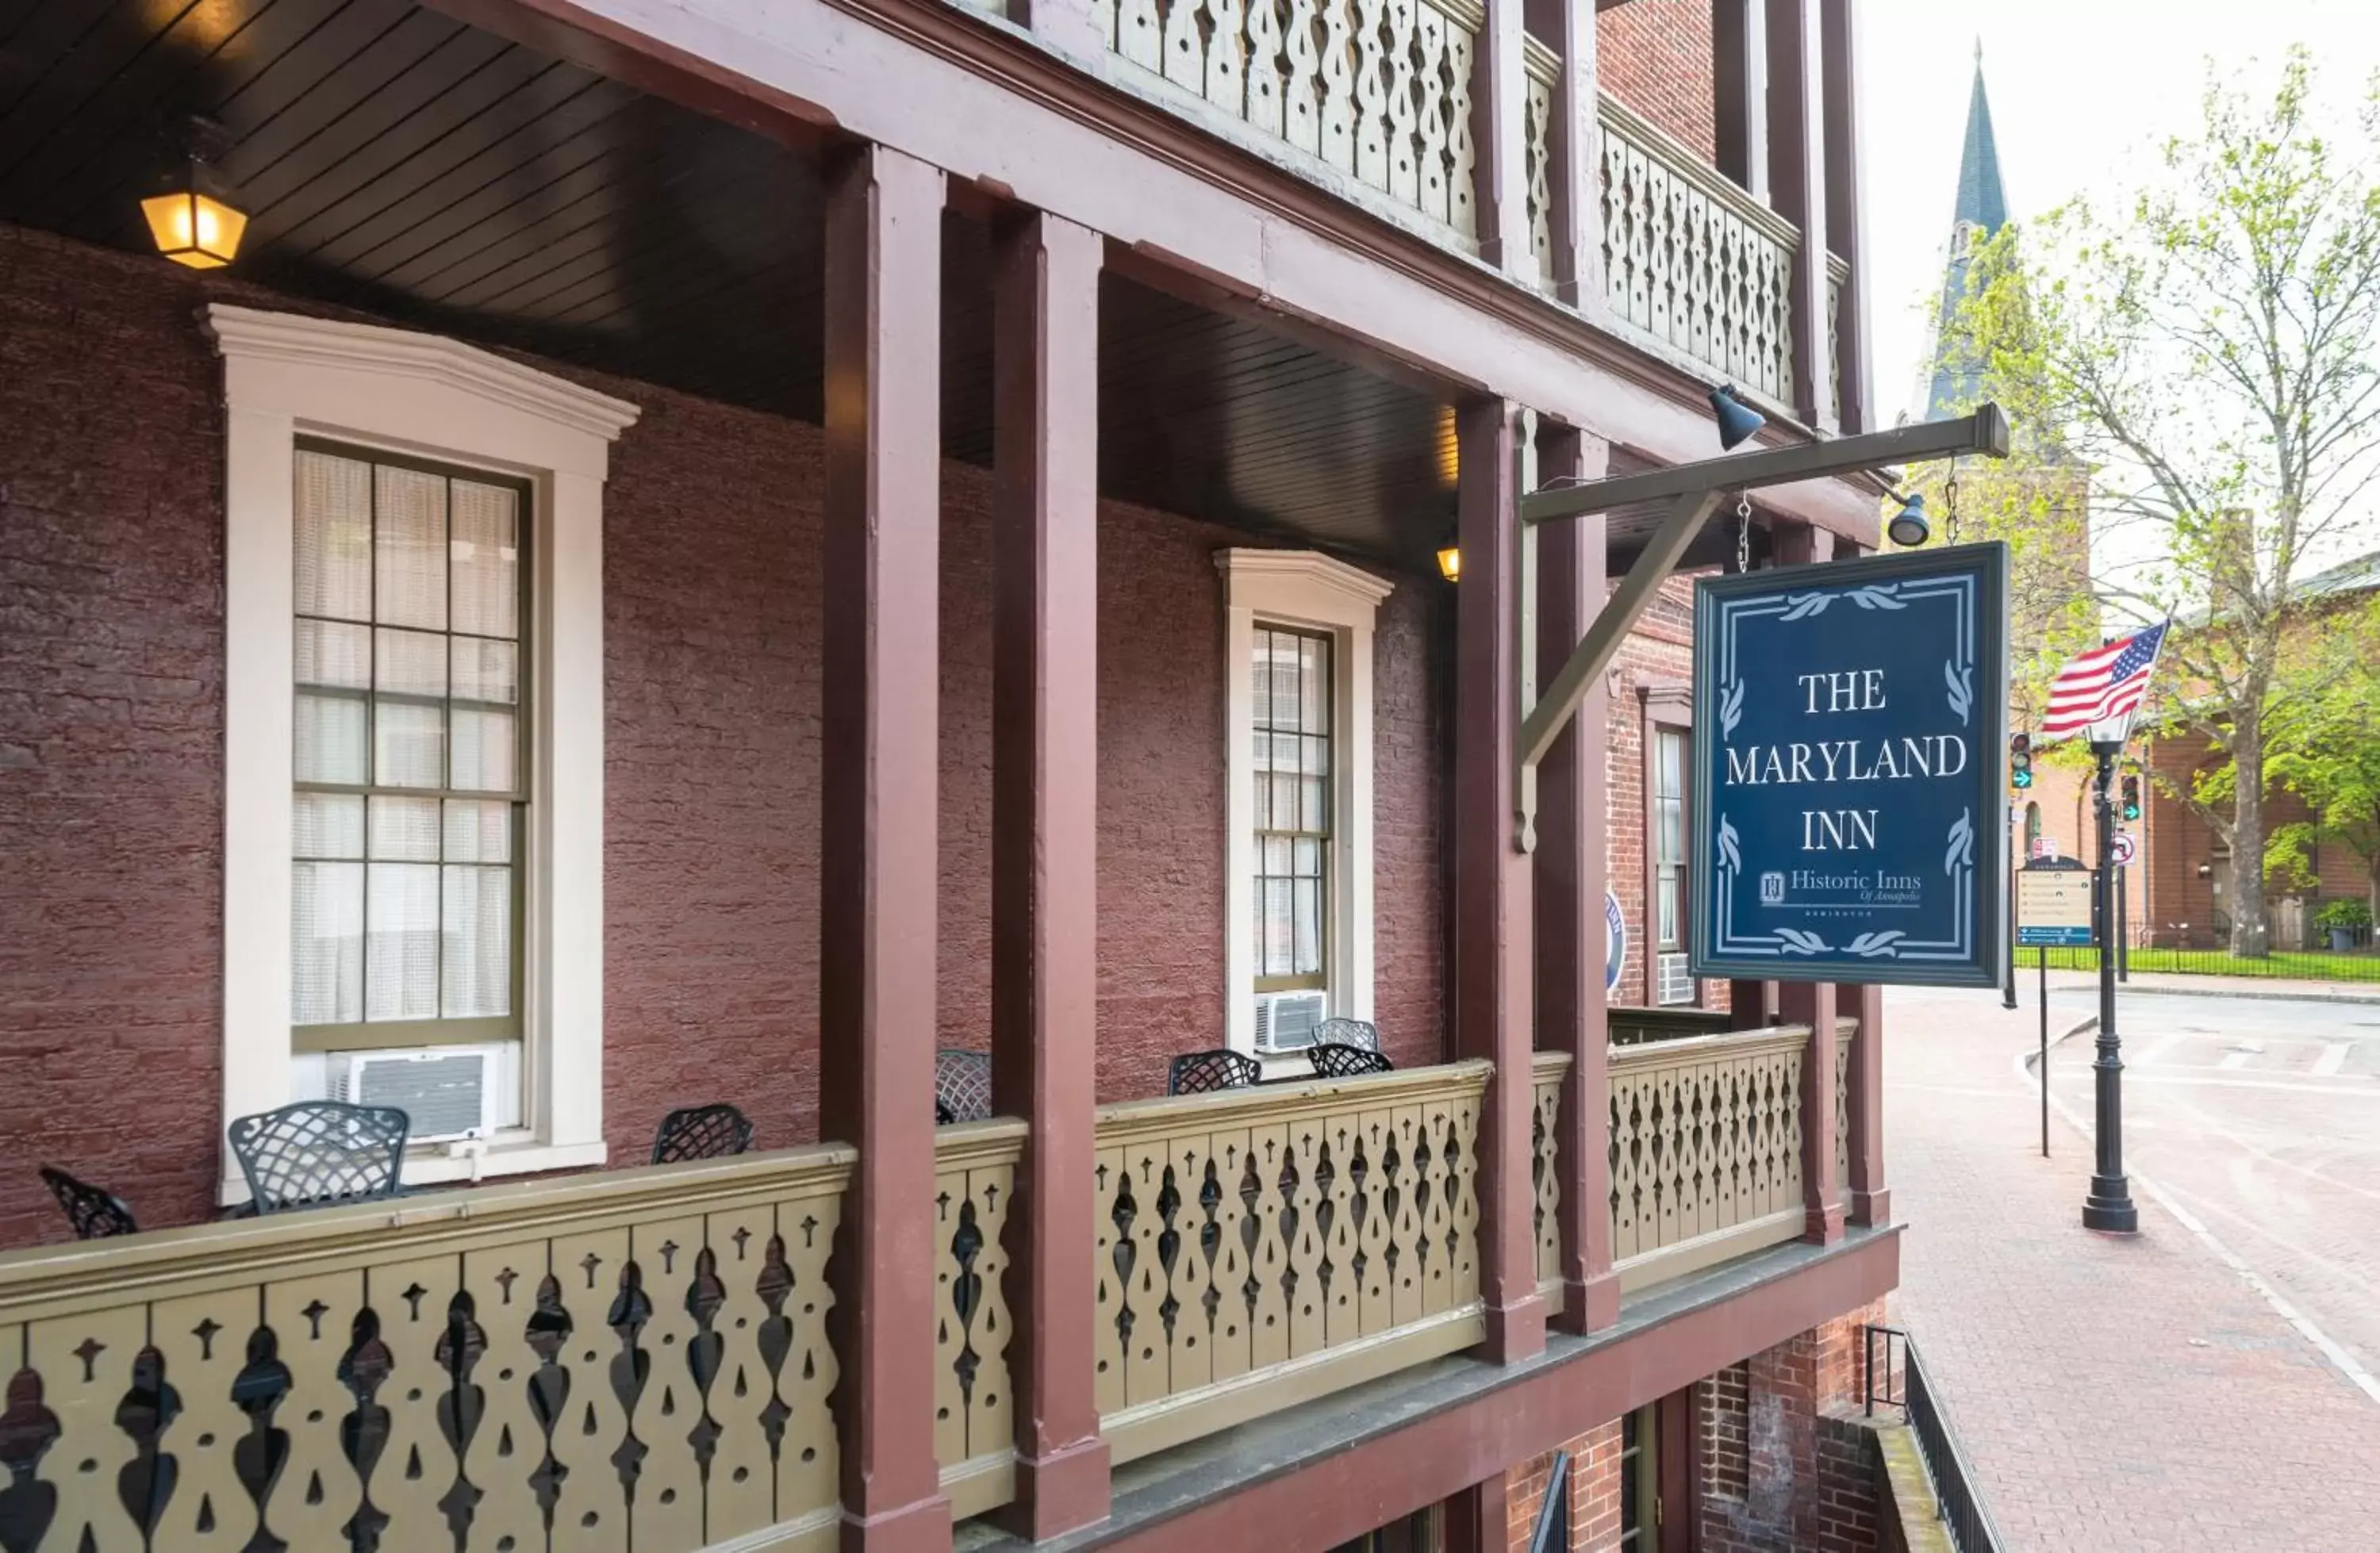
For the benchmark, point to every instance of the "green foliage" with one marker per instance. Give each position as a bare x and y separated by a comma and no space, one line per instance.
2324,741
2344,912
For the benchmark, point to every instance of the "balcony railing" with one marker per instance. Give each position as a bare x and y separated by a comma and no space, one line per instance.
975,1184
640,1357
1545,1165
1266,1244
1692,260
1381,89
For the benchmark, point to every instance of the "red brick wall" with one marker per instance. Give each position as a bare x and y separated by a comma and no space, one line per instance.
1594,1493
1778,1475
111,563
1655,56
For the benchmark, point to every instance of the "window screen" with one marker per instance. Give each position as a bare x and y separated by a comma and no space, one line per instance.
408,766
1291,731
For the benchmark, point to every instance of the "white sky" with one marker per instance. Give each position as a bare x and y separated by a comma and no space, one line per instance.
2082,92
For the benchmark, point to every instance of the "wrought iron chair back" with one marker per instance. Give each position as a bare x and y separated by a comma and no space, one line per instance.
95,1212
1332,1059
1361,1034
320,1152
1197,1072
712,1132
962,1084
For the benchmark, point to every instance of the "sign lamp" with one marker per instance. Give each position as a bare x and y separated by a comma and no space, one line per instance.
1736,419
191,222
1907,527
2020,760
1449,560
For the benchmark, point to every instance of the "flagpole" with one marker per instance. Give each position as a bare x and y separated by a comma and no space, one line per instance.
2110,1207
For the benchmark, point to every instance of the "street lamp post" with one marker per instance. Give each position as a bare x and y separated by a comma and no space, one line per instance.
2109,1205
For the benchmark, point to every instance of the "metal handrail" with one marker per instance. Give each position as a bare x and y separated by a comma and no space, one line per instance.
1959,1501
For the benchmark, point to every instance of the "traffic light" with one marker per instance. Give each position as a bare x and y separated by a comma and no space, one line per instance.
2020,760
2131,797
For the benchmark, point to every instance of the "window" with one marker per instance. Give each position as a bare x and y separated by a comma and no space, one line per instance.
1297,761
1669,903
1668,840
413,726
2032,829
1290,687
411,777
1640,1483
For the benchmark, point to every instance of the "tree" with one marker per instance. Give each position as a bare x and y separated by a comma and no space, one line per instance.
2325,748
2208,347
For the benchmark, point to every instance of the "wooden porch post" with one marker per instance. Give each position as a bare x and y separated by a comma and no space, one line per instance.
1797,150
1572,865
1847,209
1740,64
1574,144
1045,822
1498,133
1871,1200
1492,885
1812,1003
877,866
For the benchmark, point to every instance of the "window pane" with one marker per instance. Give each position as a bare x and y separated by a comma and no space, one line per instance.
486,557
334,536
408,745
483,750
409,549
1672,760
409,663
1672,838
1314,674
334,655
330,739
1316,815
405,830
1278,932
1308,895
478,830
1262,678
401,960
327,825
477,964
1668,896
326,942
1309,859
486,670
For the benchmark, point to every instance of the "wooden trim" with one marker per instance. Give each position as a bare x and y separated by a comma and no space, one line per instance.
1541,62
1744,1043
980,1484
1127,1123
1707,1251
1160,1425
1686,164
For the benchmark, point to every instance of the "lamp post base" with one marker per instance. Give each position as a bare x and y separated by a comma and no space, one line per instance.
2110,1207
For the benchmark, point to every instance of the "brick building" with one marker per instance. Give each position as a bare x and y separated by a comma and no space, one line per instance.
819,557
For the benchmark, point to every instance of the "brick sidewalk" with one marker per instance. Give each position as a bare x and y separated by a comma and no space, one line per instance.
2112,1393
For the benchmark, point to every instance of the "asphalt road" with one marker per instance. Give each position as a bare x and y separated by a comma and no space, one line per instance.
2261,1119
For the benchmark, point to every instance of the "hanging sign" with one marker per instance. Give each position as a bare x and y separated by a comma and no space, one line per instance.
1849,748
1615,942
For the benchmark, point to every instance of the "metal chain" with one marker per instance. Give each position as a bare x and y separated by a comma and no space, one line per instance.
1742,532
1951,504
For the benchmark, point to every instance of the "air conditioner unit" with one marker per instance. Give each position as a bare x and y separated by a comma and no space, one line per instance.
1674,985
1286,1021
449,1091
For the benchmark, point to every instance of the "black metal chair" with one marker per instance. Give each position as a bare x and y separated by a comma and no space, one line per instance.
1361,1034
942,1117
1197,1073
317,1153
1336,1059
712,1132
962,1084
94,1212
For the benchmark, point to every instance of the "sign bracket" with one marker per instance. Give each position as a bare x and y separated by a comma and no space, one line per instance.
1692,490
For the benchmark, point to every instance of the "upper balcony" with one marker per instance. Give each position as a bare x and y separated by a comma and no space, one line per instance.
1394,104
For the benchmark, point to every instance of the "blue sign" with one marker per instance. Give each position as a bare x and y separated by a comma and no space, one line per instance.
1848,749
1615,942
2052,938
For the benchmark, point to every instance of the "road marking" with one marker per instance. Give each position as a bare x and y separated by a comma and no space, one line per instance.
2237,1057
2350,1088
2333,1057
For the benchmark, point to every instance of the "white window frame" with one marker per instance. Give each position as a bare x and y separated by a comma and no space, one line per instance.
286,376
1308,590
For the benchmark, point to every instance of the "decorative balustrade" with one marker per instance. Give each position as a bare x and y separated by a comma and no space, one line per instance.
1705,1150
975,1183
1379,90
1844,1028
1541,68
1693,260
637,1359
1545,1165
1839,270
1257,1245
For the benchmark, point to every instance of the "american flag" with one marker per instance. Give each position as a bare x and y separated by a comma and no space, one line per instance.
2104,683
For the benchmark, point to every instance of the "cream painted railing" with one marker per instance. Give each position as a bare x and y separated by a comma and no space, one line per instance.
1546,1167
1378,89
1844,1028
632,1359
1261,1246
1541,69
974,1181
1705,1150
1693,260
1839,270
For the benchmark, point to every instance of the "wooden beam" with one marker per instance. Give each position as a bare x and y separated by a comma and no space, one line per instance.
1985,431
1797,160
1044,841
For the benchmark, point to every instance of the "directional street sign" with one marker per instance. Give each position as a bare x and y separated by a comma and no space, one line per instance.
2123,849
2053,907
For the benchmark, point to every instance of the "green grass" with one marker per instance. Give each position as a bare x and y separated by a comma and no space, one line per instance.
2307,966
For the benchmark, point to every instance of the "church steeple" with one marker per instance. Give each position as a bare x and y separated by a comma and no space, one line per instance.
1982,210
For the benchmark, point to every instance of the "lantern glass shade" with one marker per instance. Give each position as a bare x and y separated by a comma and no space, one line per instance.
1449,564
194,229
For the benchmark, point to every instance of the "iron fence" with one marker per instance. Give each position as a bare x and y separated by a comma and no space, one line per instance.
1956,1495
2204,949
